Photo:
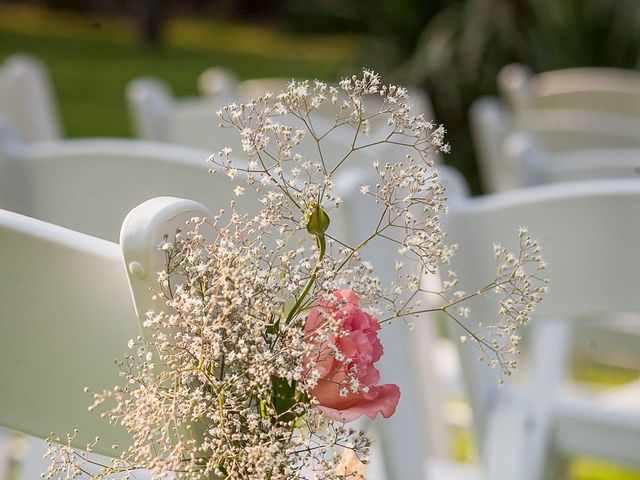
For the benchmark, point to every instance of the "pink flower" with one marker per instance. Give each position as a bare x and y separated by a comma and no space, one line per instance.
347,386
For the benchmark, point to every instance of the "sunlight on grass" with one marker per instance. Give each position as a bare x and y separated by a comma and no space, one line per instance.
259,41
92,59
589,469
205,36
603,375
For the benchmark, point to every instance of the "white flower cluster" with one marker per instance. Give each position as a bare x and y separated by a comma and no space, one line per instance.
221,385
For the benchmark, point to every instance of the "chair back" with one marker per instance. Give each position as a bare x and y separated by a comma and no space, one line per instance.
217,81
605,90
66,315
403,438
150,106
490,124
588,233
91,185
26,97
538,166
561,130
142,233
553,131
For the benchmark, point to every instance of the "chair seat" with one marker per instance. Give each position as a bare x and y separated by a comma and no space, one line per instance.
614,419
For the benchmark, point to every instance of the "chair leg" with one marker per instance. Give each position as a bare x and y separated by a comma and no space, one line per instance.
557,467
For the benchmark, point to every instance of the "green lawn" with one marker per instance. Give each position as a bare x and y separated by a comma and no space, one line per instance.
92,59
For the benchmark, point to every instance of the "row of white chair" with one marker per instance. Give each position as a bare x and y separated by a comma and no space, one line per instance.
87,186
553,113
556,127
28,100
545,146
83,189
28,188
561,126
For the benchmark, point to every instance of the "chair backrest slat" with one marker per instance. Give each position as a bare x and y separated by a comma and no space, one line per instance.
91,185
26,98
588,232
66,315
605,90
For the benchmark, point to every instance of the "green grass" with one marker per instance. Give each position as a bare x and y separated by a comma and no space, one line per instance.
91,60
589,469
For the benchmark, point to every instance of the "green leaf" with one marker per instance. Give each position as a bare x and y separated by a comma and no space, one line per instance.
285,396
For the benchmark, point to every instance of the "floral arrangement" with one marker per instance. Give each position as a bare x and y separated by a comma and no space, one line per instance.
267,347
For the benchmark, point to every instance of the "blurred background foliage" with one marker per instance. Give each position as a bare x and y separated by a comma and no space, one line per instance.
452,48
462,45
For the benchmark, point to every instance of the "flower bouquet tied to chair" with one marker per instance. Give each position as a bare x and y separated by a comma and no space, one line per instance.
267,344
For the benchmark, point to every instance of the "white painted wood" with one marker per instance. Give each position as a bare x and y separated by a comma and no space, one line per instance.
605,90
90,185
141,236
514,85
417,427
539,166
490,125
217,81
511,164
588,232
26,97
66,314
150,107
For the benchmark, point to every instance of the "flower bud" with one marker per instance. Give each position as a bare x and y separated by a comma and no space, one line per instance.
318,221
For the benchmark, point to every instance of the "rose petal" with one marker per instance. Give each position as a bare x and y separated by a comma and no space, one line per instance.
384,399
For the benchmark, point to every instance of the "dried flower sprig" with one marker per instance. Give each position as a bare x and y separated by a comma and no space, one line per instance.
263,350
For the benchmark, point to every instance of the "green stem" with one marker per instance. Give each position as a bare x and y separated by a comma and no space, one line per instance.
322,244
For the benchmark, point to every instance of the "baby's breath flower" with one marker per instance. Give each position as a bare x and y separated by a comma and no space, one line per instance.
221,385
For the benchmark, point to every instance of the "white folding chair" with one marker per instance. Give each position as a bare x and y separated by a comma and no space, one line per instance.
605,90
88,186
588,232
67,313
26,97
418,426
554,130
539,166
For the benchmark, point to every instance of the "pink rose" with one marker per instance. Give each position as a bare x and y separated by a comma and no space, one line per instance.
347,386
